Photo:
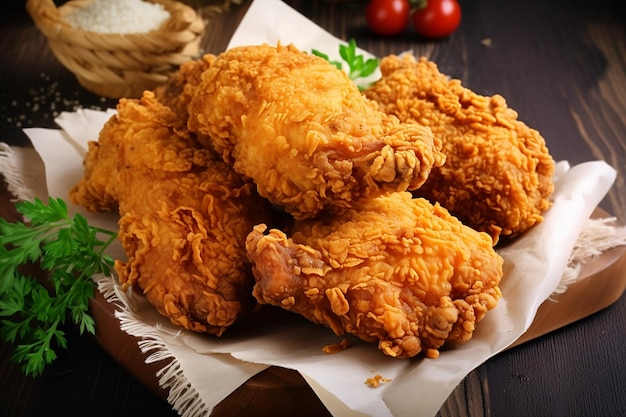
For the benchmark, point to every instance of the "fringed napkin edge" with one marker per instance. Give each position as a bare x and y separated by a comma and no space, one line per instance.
183,397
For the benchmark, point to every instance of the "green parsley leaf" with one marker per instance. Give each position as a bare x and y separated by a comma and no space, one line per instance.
70,252
337,64
358,66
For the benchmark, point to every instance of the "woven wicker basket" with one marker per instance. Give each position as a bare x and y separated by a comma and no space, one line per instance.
120,65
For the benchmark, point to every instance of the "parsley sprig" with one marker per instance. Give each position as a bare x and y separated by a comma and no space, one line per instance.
358,66
70,251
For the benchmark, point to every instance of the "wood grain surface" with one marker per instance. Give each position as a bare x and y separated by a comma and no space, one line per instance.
561,65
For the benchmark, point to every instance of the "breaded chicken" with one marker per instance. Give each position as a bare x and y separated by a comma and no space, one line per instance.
176,93
395,270
498,172
302,131
184,215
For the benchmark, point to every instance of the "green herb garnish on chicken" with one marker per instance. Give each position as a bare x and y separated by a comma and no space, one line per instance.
358,66
69,252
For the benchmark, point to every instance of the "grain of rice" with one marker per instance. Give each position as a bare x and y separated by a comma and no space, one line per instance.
118,16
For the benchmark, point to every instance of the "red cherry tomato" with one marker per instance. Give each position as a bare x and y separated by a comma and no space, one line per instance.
387,17
438,19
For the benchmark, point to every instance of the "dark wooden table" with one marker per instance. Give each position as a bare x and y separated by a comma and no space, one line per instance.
561,65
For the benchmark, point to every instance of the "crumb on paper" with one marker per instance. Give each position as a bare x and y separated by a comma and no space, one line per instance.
486,42
336,347
432,353
376,380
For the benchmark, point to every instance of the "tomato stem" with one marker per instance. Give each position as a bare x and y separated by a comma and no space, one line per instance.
418,4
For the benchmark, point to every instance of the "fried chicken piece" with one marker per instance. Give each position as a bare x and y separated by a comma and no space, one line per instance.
176,93
498,173
302,131
184,214
394,269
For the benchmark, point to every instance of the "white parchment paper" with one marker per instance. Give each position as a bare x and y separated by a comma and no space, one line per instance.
210,368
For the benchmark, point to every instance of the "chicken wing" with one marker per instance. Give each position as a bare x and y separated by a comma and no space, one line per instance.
184,215
498,172
394,269
302,131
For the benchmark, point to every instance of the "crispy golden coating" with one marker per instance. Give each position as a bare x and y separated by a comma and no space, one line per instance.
301,130
97,190
498,173
184,215
177,92
395,270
